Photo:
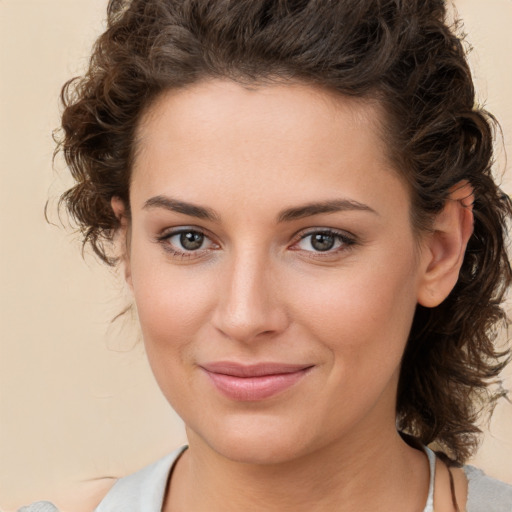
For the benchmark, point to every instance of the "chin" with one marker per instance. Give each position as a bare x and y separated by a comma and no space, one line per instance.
257,451
261,441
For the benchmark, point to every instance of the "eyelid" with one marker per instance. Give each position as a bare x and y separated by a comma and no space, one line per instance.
176,230
347,239
168,233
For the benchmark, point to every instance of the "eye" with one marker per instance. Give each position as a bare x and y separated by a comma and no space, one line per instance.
326,241
186,242
189,240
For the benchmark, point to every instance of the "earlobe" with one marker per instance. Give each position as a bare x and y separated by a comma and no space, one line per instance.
123,236
444,248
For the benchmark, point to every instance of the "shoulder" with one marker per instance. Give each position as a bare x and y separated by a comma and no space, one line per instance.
127,494
81,498
146,486
486,494
40,506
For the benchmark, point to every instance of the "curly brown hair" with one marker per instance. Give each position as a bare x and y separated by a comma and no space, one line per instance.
400,53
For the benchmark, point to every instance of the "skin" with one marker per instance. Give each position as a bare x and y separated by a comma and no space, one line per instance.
258,290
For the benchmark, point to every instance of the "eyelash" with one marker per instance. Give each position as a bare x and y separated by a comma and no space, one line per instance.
164,240
345,240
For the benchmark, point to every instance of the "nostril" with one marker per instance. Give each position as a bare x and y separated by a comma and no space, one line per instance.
244,329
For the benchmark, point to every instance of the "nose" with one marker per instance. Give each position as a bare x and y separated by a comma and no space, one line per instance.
248,305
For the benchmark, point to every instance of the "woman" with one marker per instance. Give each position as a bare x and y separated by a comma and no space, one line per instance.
301,199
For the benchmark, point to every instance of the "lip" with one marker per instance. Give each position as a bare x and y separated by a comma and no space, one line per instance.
255,382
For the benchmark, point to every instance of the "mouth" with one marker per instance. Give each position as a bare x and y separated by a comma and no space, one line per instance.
249,383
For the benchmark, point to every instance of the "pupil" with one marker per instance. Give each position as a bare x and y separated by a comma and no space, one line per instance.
191,240
322,241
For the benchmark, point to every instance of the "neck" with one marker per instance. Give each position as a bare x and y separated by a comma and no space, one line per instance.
351,475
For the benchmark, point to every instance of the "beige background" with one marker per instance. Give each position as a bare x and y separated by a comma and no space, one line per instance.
77,400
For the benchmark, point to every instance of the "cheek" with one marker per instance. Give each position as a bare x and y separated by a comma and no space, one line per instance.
172,314
364,313
172,303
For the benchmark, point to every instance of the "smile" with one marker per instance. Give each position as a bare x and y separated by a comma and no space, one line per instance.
253,382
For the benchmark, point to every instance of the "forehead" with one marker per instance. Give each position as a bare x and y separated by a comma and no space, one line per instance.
280,135
294,110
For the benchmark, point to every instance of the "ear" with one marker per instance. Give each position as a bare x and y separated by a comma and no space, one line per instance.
444,248
123,236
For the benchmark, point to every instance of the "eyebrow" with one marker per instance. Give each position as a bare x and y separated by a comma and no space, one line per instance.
290,214
174,205
333,206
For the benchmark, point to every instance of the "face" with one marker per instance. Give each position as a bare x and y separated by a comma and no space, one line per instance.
273,266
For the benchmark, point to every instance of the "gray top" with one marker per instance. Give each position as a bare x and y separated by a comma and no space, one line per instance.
485,494
144,490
